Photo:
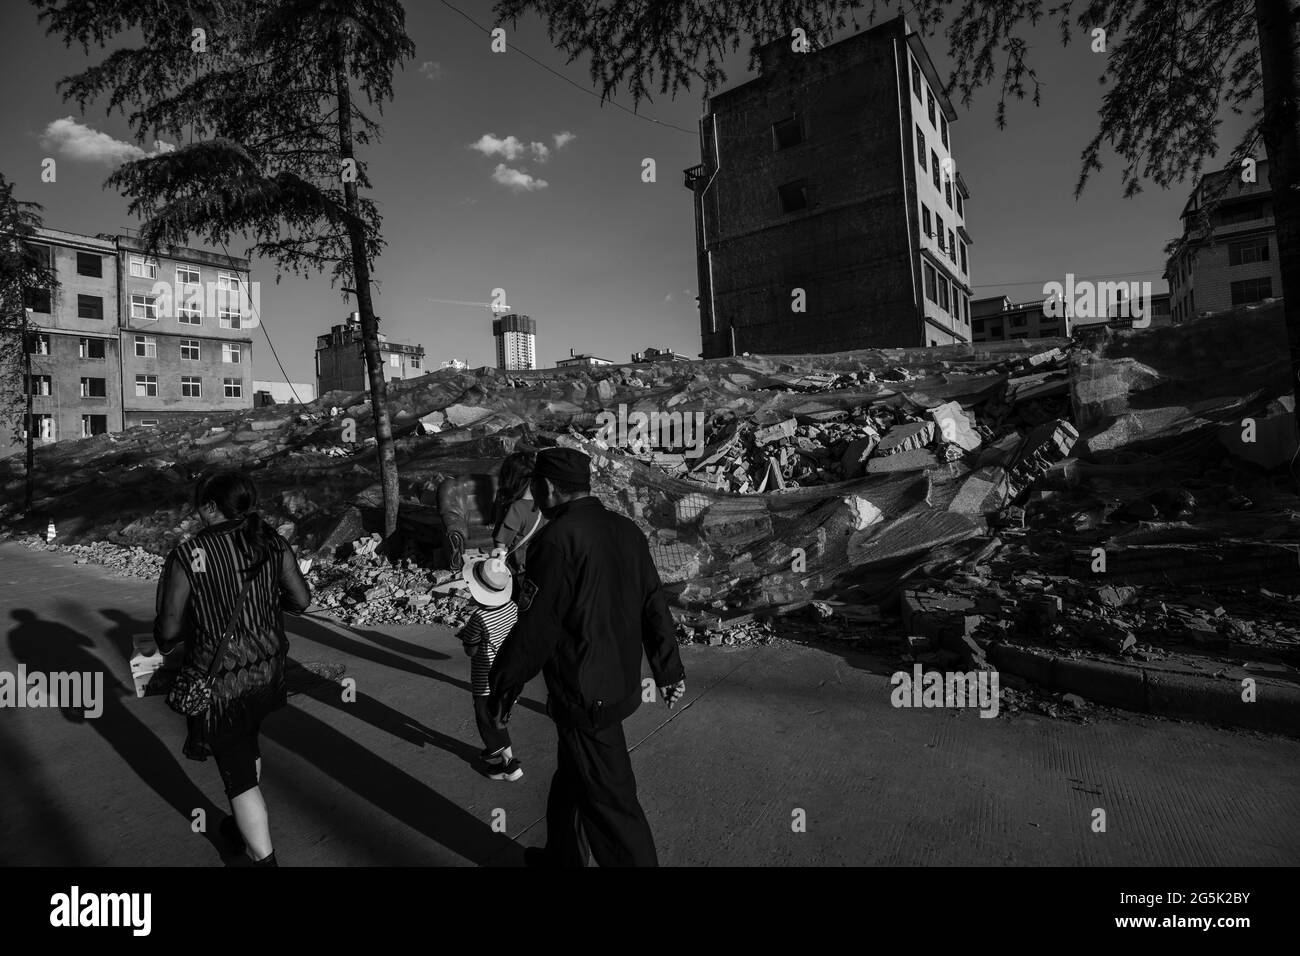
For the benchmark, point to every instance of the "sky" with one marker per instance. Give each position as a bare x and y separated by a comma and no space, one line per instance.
495,173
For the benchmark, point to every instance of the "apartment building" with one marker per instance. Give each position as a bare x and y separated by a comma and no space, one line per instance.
998,319
1227,255
341,358
579,359
829,210
186,320
516,341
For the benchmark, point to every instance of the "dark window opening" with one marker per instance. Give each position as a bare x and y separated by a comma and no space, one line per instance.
1252,250
787,132
89,264
1251,290
792,196
90,307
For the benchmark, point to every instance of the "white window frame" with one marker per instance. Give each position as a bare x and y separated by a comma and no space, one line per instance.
233,387
46,426
148,422
229,319
143,267
150,345
190,344
395,360
143,383
191,382
148,303
232,352
188,270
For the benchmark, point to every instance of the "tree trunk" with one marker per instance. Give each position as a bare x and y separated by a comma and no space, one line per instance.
1278,22
369,325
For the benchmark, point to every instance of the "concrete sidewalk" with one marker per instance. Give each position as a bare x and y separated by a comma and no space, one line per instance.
764,733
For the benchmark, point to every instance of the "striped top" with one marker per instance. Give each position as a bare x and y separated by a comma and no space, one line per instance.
486,629
200,584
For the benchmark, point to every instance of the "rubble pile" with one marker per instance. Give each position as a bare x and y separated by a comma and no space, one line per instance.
809,494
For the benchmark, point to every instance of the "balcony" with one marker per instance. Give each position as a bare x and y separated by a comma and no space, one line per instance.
694,175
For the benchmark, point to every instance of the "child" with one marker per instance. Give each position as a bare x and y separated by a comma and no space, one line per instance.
489,581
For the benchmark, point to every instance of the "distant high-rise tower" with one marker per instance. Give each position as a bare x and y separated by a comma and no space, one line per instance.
516,337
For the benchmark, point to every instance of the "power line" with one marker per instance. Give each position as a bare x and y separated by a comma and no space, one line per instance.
576,86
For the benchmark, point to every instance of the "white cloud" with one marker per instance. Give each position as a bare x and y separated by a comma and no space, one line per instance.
668,297
517,179
431,69
541,152
490,145
77,141
563,139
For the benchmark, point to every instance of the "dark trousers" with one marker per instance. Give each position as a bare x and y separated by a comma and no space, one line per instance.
493,738
592,807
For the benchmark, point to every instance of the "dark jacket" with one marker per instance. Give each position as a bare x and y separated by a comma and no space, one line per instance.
591,601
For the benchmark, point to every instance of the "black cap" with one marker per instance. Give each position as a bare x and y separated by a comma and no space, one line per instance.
567,466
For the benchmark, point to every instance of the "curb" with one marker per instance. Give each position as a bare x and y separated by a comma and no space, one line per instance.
1214,700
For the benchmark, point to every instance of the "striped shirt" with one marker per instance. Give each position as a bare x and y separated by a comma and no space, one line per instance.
486,629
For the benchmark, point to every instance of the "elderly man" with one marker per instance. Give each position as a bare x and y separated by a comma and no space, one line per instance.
591,600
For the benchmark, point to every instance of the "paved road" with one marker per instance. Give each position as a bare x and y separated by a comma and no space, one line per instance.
764,733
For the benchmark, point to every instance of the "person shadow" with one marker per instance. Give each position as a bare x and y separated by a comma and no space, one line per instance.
336,754
48,646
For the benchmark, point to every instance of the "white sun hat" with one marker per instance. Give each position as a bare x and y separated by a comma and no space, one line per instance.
489,580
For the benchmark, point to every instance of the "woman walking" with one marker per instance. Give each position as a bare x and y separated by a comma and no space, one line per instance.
222,593
515,517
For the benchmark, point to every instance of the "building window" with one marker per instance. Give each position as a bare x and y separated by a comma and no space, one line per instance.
187,275
934,169
231,353
93,425
996,330
42,426
39,300
943,130
191,386
938,223
41,385
90,349
947,191
144,307
1242,212
395,361
916,81
978,325
952,247
961,210
146,346
149,422
943,293
228,281
229,319
90,307
144,268
1252,250
927,228
965,271
415,361
189,312
1251,290
40,343
189,350
94,388
920,146
787,133
929,104
146,386
89,264
792,197
930,292
234,387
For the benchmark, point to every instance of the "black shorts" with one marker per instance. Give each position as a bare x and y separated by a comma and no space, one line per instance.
237,757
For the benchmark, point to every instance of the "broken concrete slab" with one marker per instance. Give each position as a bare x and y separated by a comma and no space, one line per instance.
914,459
902,438
954,426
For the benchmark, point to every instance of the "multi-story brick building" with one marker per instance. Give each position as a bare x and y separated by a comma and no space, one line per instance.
1231,259
829,213
76,372
187,345
130,338
341,358
516,340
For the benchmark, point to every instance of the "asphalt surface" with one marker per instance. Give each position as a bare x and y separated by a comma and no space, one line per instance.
779,755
